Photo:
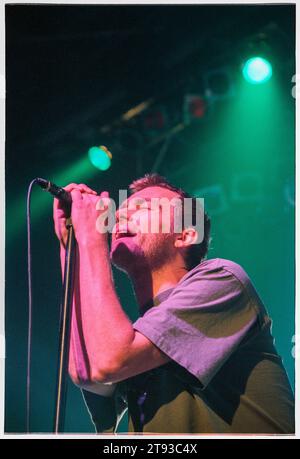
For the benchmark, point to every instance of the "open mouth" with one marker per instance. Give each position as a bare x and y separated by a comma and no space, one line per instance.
123,230
121,234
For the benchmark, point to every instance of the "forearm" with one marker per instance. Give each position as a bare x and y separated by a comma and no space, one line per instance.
78,363
104,332
79,366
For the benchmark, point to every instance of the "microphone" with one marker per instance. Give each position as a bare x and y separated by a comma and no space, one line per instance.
56,191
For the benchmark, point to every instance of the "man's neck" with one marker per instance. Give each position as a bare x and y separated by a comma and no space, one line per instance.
147,284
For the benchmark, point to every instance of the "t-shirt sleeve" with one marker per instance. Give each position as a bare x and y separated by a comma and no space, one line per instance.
203,320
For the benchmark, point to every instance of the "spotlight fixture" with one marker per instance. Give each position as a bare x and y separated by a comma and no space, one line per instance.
257,70
100,157
218,84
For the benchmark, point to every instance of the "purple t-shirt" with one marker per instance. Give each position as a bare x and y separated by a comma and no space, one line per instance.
200,322
225,375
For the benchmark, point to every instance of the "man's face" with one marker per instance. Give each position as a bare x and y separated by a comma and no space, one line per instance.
144,232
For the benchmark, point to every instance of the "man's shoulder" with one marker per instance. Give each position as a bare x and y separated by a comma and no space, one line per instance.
219,265
224,274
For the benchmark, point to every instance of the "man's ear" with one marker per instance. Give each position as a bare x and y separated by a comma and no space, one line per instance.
188,237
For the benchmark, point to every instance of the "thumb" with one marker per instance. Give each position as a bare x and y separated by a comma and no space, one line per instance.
104,194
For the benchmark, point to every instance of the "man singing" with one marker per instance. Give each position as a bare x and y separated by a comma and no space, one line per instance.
201,357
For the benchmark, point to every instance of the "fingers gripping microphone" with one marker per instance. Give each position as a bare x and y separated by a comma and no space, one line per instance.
58,192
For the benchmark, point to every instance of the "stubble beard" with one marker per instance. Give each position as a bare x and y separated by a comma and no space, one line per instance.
149,251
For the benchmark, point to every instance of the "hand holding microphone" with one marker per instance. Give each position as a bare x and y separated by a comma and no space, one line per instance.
61,210
82,200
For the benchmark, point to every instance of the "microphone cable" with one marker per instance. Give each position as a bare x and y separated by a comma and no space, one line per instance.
29,334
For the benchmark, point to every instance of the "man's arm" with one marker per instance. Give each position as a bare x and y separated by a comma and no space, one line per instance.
115,350
104,346
105,390
76,346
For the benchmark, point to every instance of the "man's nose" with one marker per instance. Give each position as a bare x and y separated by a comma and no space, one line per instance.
124,214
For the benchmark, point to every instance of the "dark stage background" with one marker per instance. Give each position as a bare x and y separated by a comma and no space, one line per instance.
73,75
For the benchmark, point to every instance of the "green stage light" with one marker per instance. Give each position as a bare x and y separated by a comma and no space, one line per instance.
257,70
100,157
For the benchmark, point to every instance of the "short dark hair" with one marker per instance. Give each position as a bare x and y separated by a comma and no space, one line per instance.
196,252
